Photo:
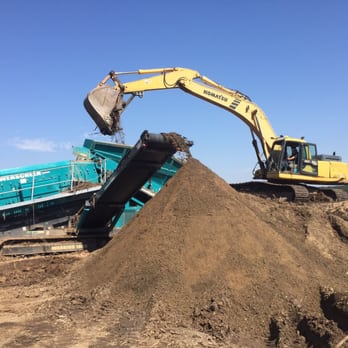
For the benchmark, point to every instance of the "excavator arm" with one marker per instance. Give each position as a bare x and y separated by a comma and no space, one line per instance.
106,103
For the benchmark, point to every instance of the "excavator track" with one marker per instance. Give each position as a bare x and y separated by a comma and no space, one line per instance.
300,192
290,192
271,190
335,193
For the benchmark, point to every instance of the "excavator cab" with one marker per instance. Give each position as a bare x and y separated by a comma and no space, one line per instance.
291,156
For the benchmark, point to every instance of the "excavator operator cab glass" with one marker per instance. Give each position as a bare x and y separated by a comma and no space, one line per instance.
294,158
274,161
290,158
308,159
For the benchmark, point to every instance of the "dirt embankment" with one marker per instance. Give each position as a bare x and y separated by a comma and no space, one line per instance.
203,265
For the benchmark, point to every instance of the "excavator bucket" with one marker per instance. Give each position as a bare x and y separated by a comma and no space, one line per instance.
105,105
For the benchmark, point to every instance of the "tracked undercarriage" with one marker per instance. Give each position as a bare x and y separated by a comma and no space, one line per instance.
290,192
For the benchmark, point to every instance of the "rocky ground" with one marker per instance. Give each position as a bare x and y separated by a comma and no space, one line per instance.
200,266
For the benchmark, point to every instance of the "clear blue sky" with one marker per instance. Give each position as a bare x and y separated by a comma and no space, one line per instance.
289,56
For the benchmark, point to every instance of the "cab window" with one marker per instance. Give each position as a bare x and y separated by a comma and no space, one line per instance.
308,159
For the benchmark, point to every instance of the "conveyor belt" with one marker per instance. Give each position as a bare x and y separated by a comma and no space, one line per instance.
103,210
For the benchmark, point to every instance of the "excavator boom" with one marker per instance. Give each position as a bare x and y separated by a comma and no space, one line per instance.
106,103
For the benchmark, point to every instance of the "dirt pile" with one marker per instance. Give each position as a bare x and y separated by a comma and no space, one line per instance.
202,265
203,257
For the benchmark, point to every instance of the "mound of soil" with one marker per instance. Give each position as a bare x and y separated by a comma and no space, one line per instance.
202,265
200,256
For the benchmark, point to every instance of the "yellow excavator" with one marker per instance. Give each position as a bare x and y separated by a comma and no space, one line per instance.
285,165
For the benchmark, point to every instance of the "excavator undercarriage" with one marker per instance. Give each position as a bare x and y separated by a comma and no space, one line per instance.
291,192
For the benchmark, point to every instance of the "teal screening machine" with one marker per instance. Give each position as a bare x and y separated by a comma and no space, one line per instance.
78,204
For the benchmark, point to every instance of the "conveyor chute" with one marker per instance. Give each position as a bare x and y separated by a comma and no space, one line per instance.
105,207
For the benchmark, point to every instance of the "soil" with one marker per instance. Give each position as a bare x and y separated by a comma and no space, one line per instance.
201,265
